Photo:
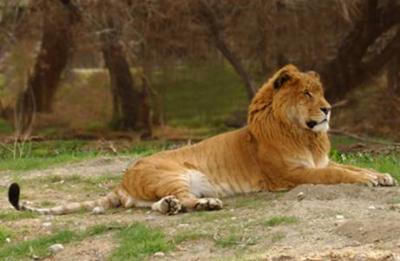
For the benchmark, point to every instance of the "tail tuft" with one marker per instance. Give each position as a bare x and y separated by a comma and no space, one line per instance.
13,195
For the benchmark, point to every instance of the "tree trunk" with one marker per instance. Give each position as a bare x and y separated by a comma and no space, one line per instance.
237,65
50,63
213,23
393,76
348,70
122,85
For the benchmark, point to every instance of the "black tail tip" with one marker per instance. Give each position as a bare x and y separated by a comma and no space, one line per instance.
13,195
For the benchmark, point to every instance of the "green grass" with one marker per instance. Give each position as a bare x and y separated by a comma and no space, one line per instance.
5,127
341,140
230,240
40,155
39,247
382,163
4,234
191,235
234,236
280,220
276,237
200,95
395,200
16,215
25,164
36,247
139,241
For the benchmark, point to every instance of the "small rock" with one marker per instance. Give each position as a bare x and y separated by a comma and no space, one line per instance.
300,196
339,216
56,248
149,218
233,218
159,254
48,217
179,248
8,240
183,225
98,211
46,224
371,207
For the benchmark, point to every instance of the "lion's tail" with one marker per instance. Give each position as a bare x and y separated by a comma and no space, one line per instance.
111,200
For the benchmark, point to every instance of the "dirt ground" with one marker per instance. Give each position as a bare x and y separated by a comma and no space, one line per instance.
341,222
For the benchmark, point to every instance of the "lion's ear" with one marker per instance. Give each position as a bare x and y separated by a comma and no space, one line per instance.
313,73
282,78
283,75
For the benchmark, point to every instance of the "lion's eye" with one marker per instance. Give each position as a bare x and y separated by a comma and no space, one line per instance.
308,94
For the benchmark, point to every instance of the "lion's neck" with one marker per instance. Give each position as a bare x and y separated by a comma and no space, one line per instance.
277,133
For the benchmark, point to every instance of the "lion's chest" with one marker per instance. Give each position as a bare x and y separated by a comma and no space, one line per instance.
321,162
310,161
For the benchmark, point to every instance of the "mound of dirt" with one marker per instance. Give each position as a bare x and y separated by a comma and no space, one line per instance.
371,230
346,254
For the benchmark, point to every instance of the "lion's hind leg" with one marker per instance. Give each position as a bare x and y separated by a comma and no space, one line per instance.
171,188
171,205
193,192
201,194
208,204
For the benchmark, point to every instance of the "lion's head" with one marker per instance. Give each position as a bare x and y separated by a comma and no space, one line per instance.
294,98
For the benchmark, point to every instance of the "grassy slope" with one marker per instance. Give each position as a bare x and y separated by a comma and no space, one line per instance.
39,155
138,241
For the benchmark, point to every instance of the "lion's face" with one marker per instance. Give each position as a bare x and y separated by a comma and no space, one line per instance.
299,98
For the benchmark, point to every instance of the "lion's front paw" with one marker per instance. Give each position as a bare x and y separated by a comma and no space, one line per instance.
209,204
377,179
386,180
168,205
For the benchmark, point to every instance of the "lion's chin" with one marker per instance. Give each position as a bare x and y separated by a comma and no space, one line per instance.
321,127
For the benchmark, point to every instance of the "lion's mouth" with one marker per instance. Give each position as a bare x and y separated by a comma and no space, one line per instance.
311,124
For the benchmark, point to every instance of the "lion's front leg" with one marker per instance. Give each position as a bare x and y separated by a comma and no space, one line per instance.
383,179
336,174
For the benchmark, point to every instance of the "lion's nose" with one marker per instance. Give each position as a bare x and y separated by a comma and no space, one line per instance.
325,110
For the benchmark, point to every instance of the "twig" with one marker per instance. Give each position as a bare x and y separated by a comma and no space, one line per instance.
360,138
342,103
6,147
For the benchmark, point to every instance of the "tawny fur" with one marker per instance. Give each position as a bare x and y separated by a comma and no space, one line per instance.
276,151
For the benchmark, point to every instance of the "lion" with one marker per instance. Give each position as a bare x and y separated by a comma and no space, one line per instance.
285,144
